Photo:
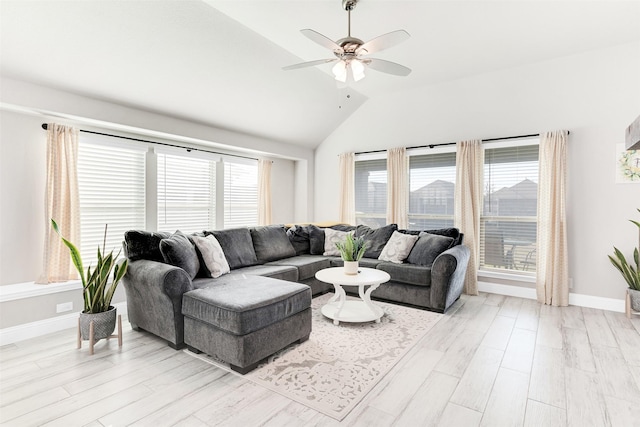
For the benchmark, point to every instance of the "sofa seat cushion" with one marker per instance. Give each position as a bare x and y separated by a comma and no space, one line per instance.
242,307
271,243
282,272
407,273
307,265
364,262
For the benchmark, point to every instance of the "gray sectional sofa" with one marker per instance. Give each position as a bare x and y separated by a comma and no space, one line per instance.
158,277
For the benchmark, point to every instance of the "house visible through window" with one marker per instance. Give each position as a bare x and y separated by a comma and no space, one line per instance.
508,220
371,192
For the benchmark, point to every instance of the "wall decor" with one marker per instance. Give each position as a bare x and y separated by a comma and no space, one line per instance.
627,165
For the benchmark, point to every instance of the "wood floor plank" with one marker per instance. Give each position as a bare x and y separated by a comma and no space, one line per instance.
577,350
370,417
22,407
572,317
510,307
520,350
456,415
510,386
550,329
529,315
456,359
483,318
585,404
622,413
616,378
475,385
495,300
436,390
629,343
540,414
598,328
547,384
617,320
499,333
190,422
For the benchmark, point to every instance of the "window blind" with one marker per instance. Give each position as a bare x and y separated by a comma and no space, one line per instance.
111,182
508,221
432,180
186,193
240,194
371,192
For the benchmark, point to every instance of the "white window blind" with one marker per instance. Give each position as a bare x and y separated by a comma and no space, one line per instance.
432,180
186,193
508,222
371,192
240,194
111,182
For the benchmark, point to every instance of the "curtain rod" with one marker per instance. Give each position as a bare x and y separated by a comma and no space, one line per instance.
45,126
454,143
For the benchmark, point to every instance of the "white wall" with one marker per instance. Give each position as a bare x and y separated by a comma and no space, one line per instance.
594,95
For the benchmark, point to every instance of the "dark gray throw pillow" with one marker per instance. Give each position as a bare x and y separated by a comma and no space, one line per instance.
428,247
144,245
237,246
376,238
178,250
299,238
316,239
271,243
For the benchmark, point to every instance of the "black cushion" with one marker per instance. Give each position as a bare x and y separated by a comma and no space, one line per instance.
237,246
428,247
452,232
376,238
178,250
271,243
144,245
299,238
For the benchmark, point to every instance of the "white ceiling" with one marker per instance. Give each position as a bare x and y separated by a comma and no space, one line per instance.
219,62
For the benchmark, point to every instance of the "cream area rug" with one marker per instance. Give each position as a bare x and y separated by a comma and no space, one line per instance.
336,368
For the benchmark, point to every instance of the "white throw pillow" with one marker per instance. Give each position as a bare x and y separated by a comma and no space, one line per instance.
212,255
398,247
331,237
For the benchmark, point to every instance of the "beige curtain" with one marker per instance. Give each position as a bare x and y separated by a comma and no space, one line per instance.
552,275
468,204
62,203
398,187
264,192
347,204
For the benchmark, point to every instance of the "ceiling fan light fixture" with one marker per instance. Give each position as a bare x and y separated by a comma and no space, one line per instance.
357,69
340,71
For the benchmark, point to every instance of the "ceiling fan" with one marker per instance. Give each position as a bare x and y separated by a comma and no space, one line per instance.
350,52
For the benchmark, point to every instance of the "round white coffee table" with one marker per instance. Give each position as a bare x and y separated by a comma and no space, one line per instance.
363,310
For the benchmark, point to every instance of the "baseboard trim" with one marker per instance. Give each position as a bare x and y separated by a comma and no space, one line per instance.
46,326
581,300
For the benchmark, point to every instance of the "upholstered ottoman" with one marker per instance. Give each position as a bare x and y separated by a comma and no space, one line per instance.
242,322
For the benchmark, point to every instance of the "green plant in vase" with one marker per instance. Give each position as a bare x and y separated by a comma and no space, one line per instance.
351,251
630,271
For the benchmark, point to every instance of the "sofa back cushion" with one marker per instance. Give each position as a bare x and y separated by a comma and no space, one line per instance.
299,238
452,232
178,250
376,238
271,243
144,245
428,247
237,246
316,236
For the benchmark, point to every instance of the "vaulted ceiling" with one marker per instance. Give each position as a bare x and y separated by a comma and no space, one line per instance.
219,62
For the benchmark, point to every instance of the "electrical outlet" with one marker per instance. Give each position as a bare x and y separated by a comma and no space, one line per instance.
65,306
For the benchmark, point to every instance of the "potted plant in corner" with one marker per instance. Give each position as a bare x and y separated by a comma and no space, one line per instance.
351,251
96,290
630,272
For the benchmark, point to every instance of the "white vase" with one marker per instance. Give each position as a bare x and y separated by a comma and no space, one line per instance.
351,267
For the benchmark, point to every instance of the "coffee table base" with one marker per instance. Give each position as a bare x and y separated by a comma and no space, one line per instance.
352,312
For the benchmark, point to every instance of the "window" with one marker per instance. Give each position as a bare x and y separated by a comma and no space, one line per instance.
432,180
111,181
240,194
186,193
371,192
508,221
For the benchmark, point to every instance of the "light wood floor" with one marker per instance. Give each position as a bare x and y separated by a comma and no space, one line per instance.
491,361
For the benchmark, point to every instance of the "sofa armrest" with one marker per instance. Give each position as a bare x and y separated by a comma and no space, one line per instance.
447,276
154,298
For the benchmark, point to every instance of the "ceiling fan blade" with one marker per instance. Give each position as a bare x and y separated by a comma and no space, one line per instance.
320,39
309,64
387,66
382,42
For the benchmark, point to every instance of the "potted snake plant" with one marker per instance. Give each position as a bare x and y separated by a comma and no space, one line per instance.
351,251
630,271
96,289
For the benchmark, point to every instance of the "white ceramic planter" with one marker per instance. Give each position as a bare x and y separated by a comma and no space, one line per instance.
351,267
635,299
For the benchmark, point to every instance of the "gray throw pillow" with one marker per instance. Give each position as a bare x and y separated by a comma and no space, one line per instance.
428,247
144,245
299,238
376,238
316,236
331,237
179,251
398,247
237,246
271,243
214,264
